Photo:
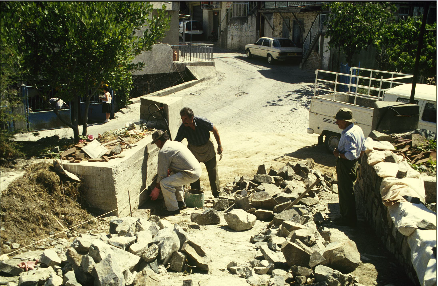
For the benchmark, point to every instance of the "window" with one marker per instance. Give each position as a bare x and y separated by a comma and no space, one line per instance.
283,43
266,43
259,42
429,113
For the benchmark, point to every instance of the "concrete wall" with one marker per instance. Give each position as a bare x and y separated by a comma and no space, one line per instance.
158,60
404,228
241,31
121,184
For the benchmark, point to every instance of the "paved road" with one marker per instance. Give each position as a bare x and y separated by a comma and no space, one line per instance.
251,95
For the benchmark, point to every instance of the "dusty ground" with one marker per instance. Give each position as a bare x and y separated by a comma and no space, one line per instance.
261,113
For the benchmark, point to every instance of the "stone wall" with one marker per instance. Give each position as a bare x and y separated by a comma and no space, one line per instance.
407,229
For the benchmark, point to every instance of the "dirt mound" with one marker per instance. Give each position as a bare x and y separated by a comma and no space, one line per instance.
41,204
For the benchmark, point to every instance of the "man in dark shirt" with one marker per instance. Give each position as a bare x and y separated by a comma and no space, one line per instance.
197,132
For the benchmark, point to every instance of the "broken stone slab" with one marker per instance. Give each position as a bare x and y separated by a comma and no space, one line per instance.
168,242
94,149
342,256
296,254
109,271
194,257
69,279
151,253
286,172
144,237
309,201
295,187
333,277
418,140
285,197
430,188
99,250
263,178
147,225
10,266
293,214
275,258
264,215
122,242
50,258
207,217
125,226
240,220
242,202
303,167
54,280
408,217
262,200
221,204
287,227
305,235
87,264
83,243
262,169
35,277
177,261
301,271
76,260
275,242
271,189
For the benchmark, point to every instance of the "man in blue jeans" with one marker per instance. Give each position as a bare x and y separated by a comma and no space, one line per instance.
351,146
197,132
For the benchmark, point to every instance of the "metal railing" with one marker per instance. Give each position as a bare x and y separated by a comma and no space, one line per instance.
193,52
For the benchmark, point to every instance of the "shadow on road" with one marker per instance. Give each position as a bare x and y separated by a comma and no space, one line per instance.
287,72
317,152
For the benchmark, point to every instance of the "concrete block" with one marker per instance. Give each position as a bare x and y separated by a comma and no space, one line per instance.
117,185
172,106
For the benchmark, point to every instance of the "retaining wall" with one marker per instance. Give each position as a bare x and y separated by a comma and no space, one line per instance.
408,230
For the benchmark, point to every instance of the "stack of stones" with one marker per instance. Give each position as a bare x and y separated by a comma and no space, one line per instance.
135,252
295,247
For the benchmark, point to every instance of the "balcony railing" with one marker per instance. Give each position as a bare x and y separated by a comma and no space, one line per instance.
193,52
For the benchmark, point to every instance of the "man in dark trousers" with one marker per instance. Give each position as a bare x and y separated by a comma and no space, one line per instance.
351,146
197,132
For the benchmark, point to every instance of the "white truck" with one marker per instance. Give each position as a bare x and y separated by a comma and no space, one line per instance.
362,90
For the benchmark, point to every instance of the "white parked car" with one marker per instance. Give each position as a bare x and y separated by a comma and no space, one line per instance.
274,49
190,28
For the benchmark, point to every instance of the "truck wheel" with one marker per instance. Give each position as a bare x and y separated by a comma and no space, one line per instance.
331,141
270,59
248,53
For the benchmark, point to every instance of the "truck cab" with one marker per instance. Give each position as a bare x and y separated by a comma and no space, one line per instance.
425,98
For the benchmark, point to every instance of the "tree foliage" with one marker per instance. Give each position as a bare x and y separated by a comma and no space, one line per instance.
353,26
77,47
397,46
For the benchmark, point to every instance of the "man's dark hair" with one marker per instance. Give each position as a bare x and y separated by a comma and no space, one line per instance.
186,111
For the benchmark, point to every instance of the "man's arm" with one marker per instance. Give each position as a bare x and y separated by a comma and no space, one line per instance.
218,140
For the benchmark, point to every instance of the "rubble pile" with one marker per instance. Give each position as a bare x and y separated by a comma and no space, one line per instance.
412,148
135,251
106,147
295,247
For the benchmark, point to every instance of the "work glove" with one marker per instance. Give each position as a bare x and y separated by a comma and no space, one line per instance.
155,193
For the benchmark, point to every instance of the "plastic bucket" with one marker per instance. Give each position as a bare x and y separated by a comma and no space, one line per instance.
194,200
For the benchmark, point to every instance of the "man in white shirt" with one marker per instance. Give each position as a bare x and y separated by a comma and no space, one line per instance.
177,166
350,147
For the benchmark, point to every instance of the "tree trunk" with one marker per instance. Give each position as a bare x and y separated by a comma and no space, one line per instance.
85,117
75,117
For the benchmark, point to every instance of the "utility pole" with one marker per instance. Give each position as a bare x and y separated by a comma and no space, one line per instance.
419,47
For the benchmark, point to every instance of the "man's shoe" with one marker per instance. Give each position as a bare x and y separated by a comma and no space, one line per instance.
169,213
182,205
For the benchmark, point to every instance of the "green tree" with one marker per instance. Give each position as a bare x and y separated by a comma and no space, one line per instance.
10,101
77,47
397,45
353,26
